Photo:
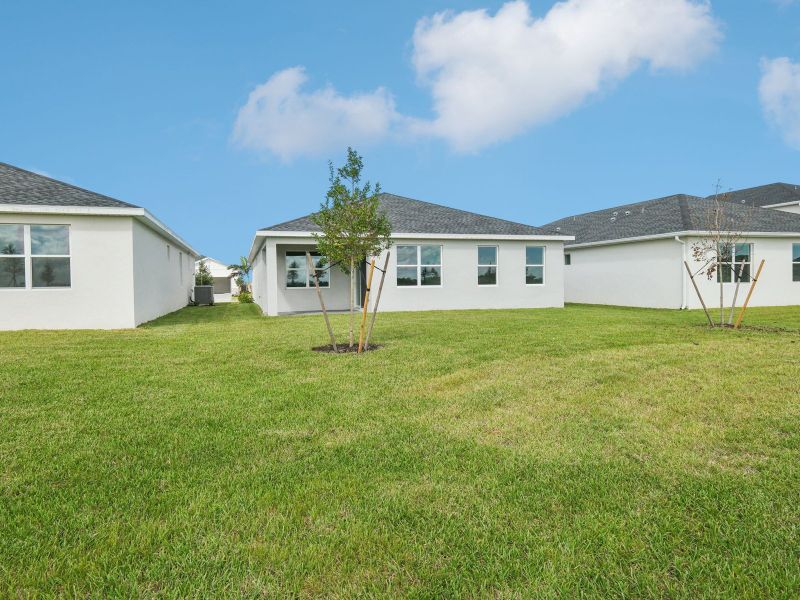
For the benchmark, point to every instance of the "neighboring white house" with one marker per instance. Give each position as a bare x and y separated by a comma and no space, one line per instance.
633,255
224,279
441,258
74,259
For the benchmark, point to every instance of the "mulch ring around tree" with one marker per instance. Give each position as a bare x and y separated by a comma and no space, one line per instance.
345,349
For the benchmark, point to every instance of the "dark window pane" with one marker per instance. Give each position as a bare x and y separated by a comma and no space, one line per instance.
431,275
11,239
50,272
567,259
725,274
725,252
742,273
12,272
487,255
406,255
296,278
796,252
796,272
295,260
742,252
49,239
324,278
534,275
534,255
487,276
430,255
319,261
406,275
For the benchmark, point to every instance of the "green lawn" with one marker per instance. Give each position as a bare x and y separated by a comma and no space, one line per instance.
535,453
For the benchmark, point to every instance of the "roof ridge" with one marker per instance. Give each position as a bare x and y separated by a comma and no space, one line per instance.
73,186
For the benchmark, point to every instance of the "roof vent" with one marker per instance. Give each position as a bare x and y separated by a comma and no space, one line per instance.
627,212
615,213
612,219
558,228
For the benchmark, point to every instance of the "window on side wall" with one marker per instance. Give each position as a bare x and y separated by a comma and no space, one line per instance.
567,259
795,262
34,256
534,265
735,263
419,265
487,265
297,275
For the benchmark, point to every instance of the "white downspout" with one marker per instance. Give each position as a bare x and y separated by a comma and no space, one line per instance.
684,305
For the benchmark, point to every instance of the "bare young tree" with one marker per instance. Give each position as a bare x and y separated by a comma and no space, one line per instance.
722,252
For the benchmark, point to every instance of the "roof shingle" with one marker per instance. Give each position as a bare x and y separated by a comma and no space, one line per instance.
407,215
18,186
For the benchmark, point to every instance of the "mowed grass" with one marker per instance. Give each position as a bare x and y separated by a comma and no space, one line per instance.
590,451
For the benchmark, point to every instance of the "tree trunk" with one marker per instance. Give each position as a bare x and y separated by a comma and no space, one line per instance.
377,301
352,301
721,293
362,330
312,269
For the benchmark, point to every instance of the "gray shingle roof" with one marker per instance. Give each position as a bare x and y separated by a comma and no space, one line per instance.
18,186
764,195
407,215
672,214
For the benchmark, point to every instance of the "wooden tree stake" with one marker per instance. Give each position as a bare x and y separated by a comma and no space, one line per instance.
749,293
361,329
696,289
377,300
321,301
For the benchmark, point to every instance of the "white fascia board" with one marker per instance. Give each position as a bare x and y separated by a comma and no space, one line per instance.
663,236
782,204
431,236
140,214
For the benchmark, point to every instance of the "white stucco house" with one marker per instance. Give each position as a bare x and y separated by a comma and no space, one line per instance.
441,258
224,279
75,259
632,255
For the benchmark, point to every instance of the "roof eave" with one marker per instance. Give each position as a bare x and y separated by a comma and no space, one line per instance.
141,214
669,235
432,236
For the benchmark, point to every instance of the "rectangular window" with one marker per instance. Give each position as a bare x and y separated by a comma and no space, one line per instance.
419,265
34,256
795,262
567,259
736,260
297,275
12,256
534,265
487,265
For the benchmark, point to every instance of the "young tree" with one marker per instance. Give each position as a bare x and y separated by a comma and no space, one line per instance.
242,273
203,275
352,224
725,223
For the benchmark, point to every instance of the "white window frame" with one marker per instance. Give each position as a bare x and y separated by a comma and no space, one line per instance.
419,266
496,265
29,256
794,262
309,277
733,263
543,265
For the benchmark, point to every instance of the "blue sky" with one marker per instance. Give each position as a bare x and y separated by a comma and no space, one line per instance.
140,101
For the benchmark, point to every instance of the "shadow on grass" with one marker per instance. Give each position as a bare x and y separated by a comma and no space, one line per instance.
196,315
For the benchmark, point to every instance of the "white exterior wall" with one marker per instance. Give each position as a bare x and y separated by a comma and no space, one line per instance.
774,288
646,274
163,278
459,289
101,272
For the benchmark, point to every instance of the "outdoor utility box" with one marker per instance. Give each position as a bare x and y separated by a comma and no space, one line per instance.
204,294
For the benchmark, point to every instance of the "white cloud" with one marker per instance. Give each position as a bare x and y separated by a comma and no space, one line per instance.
493,77
779,91
282,119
